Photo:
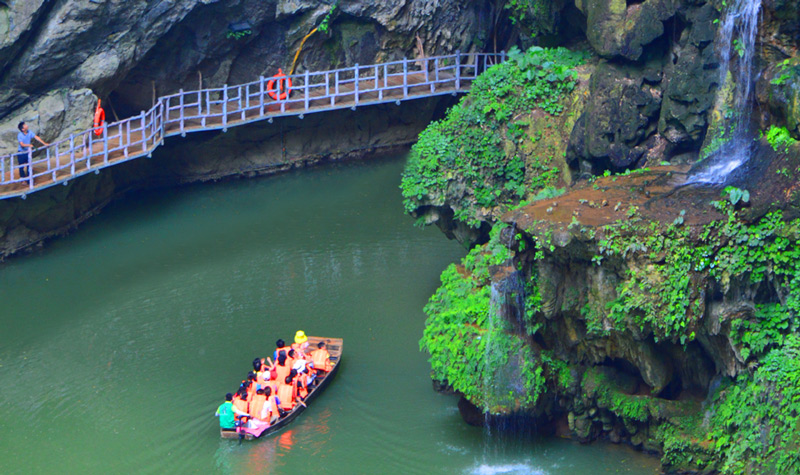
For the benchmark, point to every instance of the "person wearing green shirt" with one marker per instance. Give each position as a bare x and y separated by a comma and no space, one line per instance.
226,413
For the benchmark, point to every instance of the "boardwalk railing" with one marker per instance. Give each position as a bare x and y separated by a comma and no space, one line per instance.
228,106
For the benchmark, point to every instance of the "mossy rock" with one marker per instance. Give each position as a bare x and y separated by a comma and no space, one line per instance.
615,29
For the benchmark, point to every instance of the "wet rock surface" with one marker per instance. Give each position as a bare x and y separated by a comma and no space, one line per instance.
128,50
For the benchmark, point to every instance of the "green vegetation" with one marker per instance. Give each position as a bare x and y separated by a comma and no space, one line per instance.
324,26
471,144
755,419
662,296
470,346
789,69
779,139
532,17
238,35
724,118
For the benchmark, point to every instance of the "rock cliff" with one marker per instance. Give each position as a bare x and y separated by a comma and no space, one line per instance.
53,54
57,57
605,295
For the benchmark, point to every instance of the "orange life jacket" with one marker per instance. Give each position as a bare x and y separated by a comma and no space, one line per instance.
287,393
257,405
272,407
239,404
321,359
282,372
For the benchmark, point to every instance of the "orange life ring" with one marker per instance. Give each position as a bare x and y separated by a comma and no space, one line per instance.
284,86
99,118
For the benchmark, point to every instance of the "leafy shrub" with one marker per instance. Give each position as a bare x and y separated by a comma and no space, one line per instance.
779,138
470,143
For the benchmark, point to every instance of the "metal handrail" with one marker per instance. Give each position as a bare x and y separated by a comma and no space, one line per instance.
228,106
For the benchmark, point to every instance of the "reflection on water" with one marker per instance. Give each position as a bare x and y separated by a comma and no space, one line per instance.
119,341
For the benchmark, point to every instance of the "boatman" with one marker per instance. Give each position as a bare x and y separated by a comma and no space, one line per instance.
227,413
25,147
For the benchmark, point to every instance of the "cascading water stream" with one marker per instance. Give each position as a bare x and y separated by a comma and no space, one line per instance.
736,43
506,312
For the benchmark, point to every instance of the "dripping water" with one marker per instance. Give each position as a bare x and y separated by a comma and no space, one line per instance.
506,313
736,43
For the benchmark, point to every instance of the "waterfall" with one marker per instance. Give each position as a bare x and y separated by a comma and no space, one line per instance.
736,43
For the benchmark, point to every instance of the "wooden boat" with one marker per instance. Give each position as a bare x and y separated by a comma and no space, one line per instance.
334,347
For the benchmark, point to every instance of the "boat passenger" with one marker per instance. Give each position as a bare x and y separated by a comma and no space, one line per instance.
282,368
257,363
251,386
240,405
271,411
287,391
302,384
300,343
227,413
257,405
262,377
321,359
281,346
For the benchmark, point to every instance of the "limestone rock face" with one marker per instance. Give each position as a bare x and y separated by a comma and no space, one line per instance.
135,48
691,78
620,114
54,115
616,29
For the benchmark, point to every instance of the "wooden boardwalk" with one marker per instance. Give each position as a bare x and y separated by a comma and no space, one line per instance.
230,106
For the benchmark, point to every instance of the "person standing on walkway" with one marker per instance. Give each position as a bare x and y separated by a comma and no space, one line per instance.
25,146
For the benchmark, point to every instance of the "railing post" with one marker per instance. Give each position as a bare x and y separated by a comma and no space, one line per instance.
261,95
30,167
105,143
306,90
427,72
246,101
47,157
3,168
208,108
163,124
224,108
435,74
199,103
181,116
335,87
405,78
55,169
356,85
128,136
458,70
91,149
503,56
72,154
385,76
328,85
144,134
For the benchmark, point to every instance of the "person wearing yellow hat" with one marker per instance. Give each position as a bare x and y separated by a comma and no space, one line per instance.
300,344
